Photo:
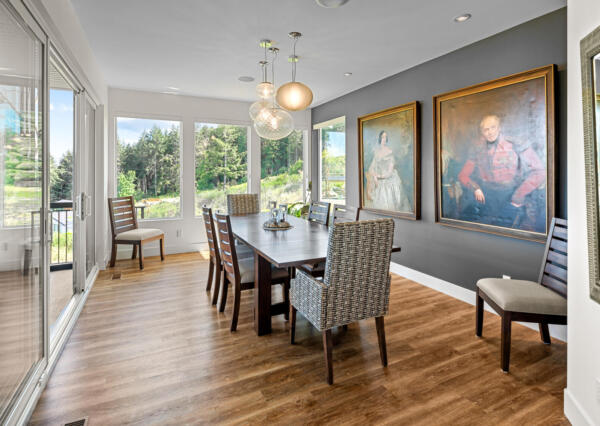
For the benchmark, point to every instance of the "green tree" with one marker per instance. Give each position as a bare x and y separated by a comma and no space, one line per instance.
126,185
61,179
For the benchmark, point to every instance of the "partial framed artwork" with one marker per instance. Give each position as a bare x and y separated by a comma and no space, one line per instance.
590,84
389,156
494,155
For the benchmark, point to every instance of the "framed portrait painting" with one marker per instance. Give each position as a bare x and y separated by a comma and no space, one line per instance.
389,161
494,155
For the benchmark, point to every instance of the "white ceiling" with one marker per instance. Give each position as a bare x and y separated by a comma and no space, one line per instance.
203,46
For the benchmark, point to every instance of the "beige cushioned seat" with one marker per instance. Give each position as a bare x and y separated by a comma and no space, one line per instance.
523,296
247,271
138,234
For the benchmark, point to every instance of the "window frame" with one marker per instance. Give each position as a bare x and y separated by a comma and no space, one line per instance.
319,127
158,117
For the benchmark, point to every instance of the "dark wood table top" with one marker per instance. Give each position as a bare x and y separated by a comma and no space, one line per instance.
306,242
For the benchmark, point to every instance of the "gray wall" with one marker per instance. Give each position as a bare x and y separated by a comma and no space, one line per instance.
458,256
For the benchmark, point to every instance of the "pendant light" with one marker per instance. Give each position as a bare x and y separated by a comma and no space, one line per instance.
260,107
265,90
273,123
294,96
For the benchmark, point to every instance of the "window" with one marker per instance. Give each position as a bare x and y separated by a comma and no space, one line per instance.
332,160
221,163
282,170
148,165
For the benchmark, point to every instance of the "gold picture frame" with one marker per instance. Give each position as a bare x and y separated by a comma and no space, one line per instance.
389,161
486,180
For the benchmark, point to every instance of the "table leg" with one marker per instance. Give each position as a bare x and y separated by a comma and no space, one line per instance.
262,295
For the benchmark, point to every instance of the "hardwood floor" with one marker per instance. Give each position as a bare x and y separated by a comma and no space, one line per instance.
149,348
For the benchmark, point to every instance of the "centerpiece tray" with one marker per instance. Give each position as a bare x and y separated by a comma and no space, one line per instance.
271,225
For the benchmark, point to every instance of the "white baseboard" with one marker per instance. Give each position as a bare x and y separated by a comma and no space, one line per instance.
557,331
575,412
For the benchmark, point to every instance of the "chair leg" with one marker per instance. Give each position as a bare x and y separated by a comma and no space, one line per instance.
381,339
224,288
505,341
345,327
141,258
218,285
545,333
327,347
479,315
162,249
134,252
113,255
211,266
237,295
292,323
286,299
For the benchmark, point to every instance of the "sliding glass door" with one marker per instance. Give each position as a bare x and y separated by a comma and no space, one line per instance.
22,344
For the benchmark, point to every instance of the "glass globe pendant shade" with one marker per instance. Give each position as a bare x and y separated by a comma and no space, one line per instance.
277,125
294,96
260,109
265,90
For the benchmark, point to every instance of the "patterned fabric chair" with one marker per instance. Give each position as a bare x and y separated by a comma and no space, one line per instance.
241,204
544,302
356,284
341,214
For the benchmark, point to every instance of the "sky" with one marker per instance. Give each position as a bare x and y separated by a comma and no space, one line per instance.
129,130
337,143
61,123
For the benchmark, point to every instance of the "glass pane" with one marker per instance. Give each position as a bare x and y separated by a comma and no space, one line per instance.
61,122
221,164
333,163
148,165
21,180
89,189
281,170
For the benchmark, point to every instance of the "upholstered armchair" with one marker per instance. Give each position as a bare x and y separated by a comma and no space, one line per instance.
355,286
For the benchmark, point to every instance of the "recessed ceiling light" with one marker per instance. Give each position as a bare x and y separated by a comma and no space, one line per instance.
347,74
330,4
462,18
172,88
246,78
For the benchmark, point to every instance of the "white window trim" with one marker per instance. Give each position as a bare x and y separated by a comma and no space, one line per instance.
320,127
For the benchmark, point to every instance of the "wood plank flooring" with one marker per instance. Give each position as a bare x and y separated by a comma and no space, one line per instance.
150,349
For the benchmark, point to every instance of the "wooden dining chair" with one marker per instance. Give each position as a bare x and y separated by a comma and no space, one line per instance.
356,284
341,214
239,272
241,204
215,264
124,227
544,301
318,212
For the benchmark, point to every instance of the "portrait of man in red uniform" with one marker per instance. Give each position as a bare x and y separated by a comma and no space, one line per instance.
498,178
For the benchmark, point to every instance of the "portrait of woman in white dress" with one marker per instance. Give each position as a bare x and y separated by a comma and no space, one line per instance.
384,188
389,161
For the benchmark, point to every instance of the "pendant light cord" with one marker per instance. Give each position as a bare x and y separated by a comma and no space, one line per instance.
294,60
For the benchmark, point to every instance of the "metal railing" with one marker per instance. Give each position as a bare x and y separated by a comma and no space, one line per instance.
61,249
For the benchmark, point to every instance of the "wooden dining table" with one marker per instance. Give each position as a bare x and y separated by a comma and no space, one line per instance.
305,242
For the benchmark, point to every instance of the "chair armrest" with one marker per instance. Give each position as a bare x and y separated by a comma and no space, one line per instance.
309,297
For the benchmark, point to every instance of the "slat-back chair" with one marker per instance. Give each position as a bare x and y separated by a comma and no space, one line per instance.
544,301
341,214
356,285
319,212
215,265
125,230
241,204
239,272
